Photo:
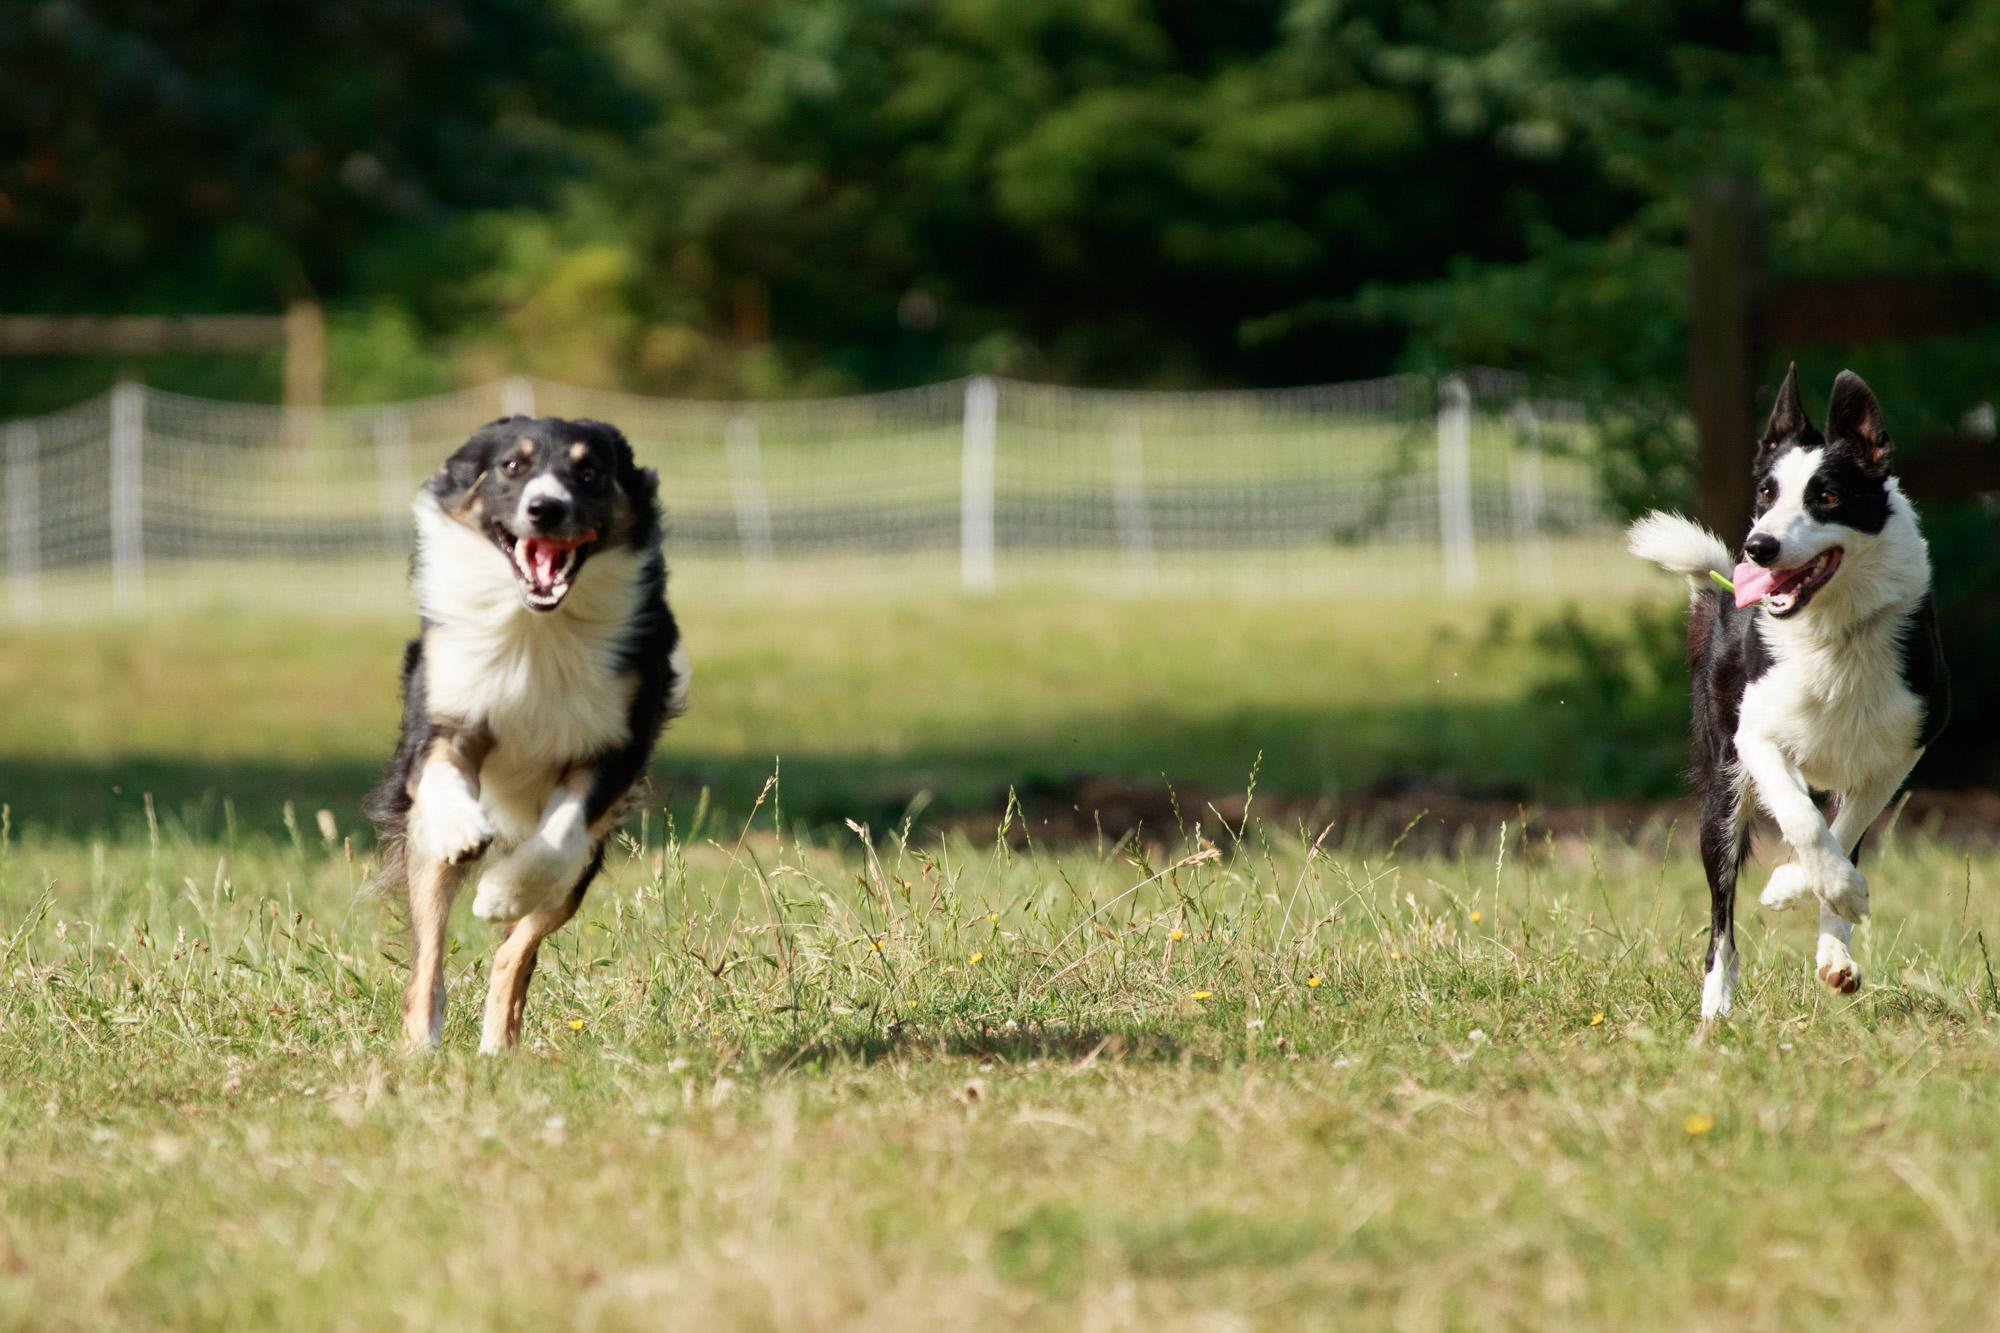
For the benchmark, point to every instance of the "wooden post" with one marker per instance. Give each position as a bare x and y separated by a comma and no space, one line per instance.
305,372
1724,259
305,354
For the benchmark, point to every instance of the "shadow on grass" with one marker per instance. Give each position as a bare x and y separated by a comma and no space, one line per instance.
1510,752
1006,1044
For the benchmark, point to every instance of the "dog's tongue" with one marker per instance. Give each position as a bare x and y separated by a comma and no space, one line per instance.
1753,582
545,557
542,557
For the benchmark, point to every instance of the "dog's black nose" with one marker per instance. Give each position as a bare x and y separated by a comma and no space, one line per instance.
1762,547
548,512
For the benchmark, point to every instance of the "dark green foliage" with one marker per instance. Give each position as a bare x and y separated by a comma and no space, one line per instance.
172,157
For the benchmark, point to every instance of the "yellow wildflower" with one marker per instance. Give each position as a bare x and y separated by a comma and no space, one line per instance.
1313,981
1176,935
1597,1019
1201,995
1476,918
576,1025
1698,1124
975,958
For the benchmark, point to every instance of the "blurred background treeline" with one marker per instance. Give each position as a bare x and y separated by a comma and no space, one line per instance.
768,198
773,197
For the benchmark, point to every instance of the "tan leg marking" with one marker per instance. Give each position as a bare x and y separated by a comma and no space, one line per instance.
513,969
433,885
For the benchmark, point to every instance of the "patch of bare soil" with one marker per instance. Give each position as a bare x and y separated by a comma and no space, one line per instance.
1103,811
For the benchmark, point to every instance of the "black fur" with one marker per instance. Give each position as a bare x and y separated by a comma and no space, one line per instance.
1727,653
473,471
1924,671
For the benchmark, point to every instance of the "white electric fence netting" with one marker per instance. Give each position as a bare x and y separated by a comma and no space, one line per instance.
143,501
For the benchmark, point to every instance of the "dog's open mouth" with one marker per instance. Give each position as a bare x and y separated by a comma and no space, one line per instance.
546,566
1786,591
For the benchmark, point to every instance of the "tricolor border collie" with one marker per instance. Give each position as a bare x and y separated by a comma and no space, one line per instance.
546,666
1823,673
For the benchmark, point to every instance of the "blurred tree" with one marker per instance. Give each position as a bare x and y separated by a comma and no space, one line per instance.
165,155
1107,190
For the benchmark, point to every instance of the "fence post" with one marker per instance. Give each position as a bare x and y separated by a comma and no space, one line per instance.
392,468
128,522
746,490
1454,481
517,397
1530,499
1128,481
975,514
24,516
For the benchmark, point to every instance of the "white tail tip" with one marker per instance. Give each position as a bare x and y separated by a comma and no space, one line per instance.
1677,544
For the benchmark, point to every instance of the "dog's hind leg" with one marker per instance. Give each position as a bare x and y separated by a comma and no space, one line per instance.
514,964
433,884
1725,841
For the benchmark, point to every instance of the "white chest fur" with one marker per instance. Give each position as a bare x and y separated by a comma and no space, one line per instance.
1837,707
546,686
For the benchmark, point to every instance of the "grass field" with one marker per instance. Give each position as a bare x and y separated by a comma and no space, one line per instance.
786,1073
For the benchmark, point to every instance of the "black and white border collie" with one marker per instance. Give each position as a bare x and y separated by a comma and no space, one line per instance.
546,666
1823,673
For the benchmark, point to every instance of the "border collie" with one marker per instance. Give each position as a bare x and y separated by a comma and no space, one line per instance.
545,668
1823,673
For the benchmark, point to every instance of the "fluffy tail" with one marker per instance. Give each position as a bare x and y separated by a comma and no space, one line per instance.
1678,544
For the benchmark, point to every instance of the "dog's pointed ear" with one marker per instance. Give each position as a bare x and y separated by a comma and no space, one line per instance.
456,477
1854,417
1788,414
639,485
627,465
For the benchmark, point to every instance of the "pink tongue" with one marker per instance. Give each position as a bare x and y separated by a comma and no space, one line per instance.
1752,582
542,559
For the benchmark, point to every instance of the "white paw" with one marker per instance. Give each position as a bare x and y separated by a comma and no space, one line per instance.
452,828
1718,985
1789,887
1843,974
524,879
1844,890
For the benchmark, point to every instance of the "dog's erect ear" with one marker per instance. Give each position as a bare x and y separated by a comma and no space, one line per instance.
462,471
626,465
1788,415
1854,417
639,485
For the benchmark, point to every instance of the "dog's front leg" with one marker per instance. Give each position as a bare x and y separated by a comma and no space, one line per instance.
1858,808
548,863
446,829
1819,867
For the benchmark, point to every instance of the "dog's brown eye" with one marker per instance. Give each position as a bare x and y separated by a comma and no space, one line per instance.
1767,492
587,475
1829,498
514,467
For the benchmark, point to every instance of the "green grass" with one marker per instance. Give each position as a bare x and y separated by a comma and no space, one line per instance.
870,705
809,1084
787,1073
